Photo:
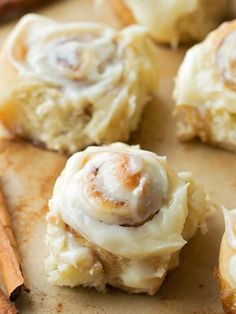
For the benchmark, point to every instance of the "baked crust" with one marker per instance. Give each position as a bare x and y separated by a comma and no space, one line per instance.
123,13
227,291
193,123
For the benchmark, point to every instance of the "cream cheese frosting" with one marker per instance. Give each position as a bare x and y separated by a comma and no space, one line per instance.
125,201
230,226
64,54
230,229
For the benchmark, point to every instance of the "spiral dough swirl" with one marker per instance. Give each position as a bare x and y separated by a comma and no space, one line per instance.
116,194
75,84
119,215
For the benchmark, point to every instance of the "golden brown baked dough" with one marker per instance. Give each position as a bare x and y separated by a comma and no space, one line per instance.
69,85
205,90
174,21
120,216
227,263
227,289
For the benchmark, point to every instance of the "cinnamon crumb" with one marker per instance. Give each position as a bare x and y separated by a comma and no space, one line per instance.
59,307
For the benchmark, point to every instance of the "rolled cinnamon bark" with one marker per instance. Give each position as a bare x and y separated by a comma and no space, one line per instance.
10,262
6,307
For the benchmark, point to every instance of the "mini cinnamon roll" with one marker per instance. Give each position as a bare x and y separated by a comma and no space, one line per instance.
119,216
68,85
227,263
205,90
174,21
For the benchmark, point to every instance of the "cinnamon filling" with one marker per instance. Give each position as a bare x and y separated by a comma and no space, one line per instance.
100,197
117,190
131,181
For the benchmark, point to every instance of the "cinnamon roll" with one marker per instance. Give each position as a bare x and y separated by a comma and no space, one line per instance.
227,263
68,85
205,90
119,216
174,21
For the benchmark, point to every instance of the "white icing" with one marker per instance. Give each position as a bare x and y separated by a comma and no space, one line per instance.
70,251
55,42
230,226
108,182
230,230
161,16
74,56
71,200
232,267
138,205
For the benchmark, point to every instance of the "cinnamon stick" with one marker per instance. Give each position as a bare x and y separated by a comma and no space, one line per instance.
6,306
10,262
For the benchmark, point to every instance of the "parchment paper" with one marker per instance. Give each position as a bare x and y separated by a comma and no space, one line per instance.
29,174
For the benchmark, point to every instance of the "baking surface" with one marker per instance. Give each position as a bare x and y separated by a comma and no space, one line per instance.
29,174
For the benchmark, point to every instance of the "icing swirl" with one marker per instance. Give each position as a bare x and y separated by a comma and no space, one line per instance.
72,55
118,188
77,83
119,195
230,226
230,230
